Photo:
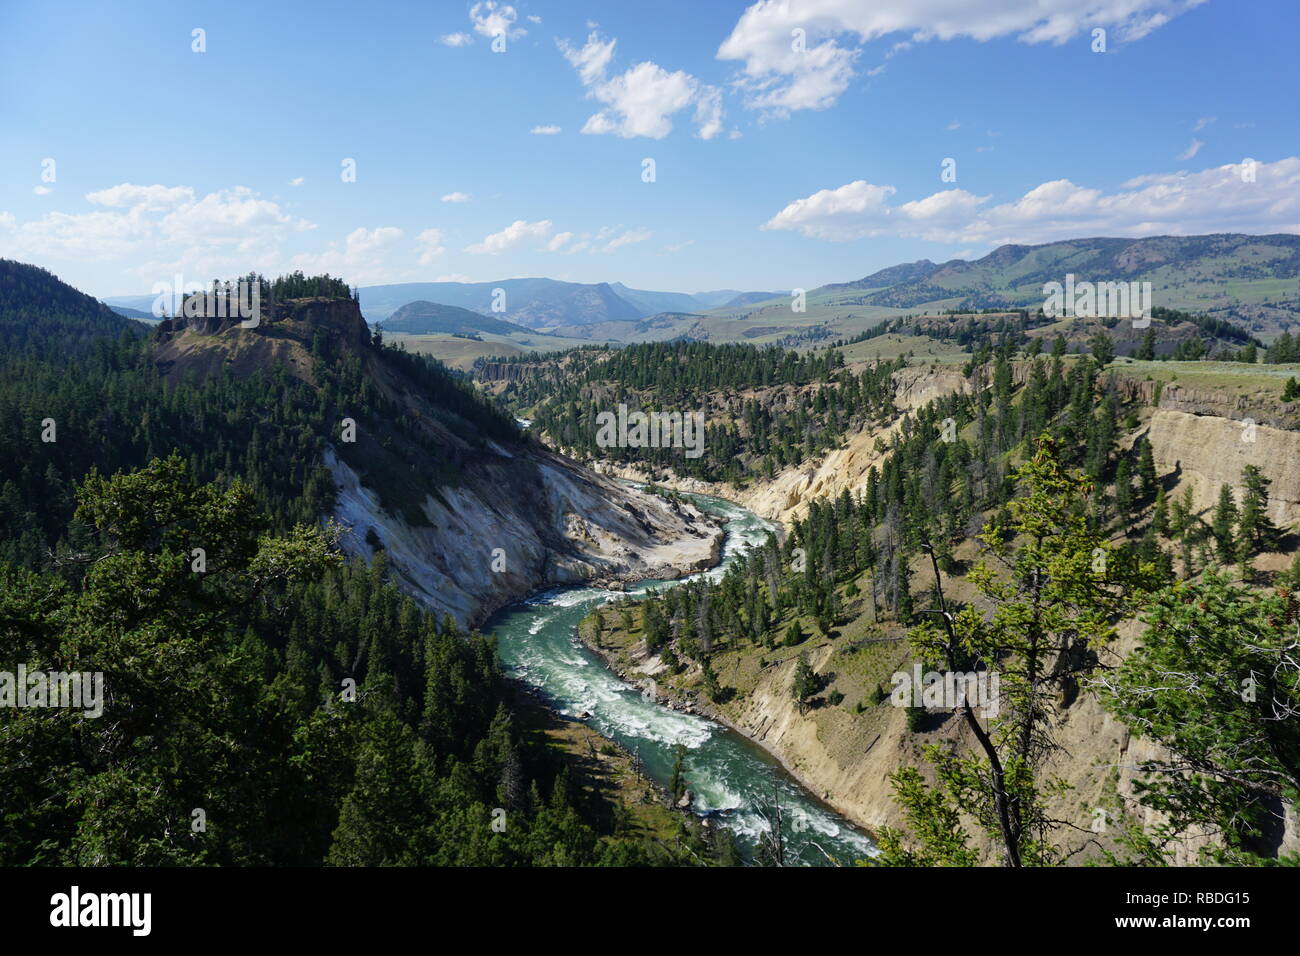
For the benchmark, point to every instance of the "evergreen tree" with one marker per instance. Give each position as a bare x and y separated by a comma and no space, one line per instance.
1146,470
1225,519
1214,683
1160,514
1147,351
1257,532
1047,613
1102,348
804,684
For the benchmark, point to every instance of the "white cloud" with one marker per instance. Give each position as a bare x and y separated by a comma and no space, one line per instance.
491,19
639,101
457,197
297,181
363,257
953,125
429,244
513,235
1180,203
456,39
1192,150
779,78
533,18
558,240
628,238
1203,122
678,246
591,60
42,190
708,112
545,130
159,230
151,198
836,214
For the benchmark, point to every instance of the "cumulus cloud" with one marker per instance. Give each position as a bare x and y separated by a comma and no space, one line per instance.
362,257
160,229
591,59
457,197
511,237
492,19
1218,199
430,246
783,71
641,100
297,181
456,39
545,130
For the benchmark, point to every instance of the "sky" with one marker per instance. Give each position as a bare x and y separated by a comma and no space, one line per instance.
680,146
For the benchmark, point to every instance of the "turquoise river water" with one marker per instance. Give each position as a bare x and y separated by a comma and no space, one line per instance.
728,774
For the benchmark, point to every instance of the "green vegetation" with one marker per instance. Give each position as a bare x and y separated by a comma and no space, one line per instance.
310,712
734,386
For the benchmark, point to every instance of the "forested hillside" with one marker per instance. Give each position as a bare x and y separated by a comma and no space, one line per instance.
763,408
265,700
1017,527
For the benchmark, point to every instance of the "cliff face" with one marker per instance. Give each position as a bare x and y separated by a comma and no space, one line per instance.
1206,452
1200,439
527,521
469,523
785,497
204,345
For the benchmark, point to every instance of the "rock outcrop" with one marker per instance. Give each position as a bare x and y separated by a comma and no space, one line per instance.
469,523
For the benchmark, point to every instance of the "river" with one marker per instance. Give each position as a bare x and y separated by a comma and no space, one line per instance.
724,770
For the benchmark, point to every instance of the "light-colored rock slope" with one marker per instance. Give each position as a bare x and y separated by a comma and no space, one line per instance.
486,547
1206,452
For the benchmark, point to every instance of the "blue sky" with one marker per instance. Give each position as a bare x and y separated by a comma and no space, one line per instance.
775,167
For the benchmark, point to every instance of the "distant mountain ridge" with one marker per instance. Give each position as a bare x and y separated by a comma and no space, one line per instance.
1254,280
534,303
1251,280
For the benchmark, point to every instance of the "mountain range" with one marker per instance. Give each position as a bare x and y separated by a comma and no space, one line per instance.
1253,281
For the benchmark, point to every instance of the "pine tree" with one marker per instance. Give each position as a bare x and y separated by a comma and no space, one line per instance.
1103,350
804,684
1049,607
1147,351
1225,519
1256,530
1160,516
1213,682
1147,470
1124,490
